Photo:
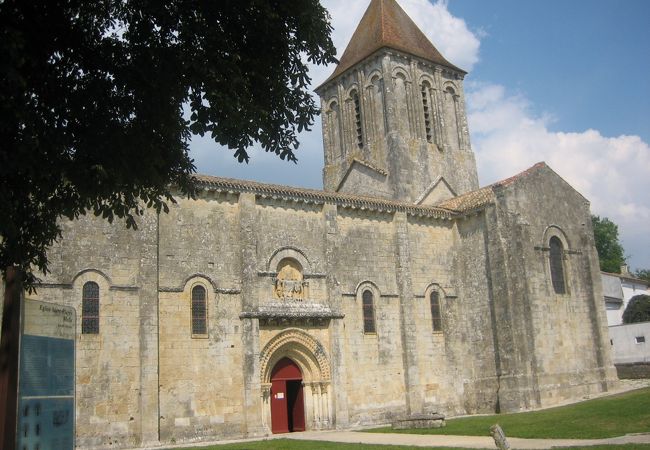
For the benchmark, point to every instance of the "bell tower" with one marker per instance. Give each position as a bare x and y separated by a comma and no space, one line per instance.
393,112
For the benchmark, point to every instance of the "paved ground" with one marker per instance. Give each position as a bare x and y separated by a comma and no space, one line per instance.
420,440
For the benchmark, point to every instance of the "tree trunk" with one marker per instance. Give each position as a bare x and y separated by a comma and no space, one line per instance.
9,357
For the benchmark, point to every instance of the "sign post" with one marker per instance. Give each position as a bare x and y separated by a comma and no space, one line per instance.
46,380
9,356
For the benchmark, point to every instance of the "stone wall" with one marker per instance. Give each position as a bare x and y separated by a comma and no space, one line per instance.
633,371
630,343
116,369
555,344
508,342
473,326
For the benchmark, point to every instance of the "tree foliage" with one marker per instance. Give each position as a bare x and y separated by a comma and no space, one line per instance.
643,274
98,101
610,250
638,309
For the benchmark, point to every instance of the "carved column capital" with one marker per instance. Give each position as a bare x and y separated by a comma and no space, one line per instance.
266,390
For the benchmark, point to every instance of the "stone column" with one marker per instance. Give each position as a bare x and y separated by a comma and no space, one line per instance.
266,406
308,396
312,406
250,327
339,417
414,394
389,97
318,400
459,122
325,402
439,111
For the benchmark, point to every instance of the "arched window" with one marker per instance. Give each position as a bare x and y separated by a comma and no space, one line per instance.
368,312
357,117
557,266
199,310
90,308
333,130
427,112
452,118
436,320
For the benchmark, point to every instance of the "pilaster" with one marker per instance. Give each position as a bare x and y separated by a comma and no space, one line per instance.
149,332
250,326
412,388
339,407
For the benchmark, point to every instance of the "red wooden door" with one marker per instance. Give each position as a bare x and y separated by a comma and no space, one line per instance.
287,403
279,416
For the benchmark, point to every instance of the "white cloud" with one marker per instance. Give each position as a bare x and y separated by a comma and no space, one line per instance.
448,34
612,172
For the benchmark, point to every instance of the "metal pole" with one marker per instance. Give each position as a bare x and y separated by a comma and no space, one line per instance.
9,357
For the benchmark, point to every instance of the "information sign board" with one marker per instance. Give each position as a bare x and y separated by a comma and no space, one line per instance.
46,377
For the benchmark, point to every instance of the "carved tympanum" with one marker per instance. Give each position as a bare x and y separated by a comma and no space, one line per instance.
289,283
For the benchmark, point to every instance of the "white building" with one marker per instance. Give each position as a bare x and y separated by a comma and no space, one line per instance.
618,289
630,347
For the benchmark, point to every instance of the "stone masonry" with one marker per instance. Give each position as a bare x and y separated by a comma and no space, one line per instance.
400,291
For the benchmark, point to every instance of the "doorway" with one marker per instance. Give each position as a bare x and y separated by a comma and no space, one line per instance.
287,402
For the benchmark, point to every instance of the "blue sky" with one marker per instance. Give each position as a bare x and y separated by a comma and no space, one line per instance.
585,62
566,82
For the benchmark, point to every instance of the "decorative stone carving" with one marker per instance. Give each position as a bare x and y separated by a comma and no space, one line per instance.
289,283
302,348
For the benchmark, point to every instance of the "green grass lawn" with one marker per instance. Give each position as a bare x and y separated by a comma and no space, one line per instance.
611,416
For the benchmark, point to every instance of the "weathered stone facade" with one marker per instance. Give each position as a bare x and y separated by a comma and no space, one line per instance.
409,300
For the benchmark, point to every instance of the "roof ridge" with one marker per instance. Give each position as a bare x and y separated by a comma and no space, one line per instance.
314,195
382,17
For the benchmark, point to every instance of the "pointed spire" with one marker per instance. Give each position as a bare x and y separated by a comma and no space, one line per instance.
385,24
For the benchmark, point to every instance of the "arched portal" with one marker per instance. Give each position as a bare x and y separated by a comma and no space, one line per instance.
291,355
287,401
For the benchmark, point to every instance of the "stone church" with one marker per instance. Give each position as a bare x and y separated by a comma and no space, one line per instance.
400,289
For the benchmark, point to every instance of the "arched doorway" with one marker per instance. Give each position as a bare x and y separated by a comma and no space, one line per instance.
287,402
311,365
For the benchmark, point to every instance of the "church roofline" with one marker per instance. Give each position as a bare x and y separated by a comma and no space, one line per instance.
627,277
320,197
335,75
480,198
386,25
362,163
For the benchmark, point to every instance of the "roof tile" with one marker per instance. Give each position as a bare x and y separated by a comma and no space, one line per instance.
386,25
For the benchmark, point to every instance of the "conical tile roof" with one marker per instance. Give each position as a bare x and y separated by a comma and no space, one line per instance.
385,24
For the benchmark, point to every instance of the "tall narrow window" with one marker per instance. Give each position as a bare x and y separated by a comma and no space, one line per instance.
436,321
90,308
199,311
557,266
368,312
357,118
427,112
333,131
